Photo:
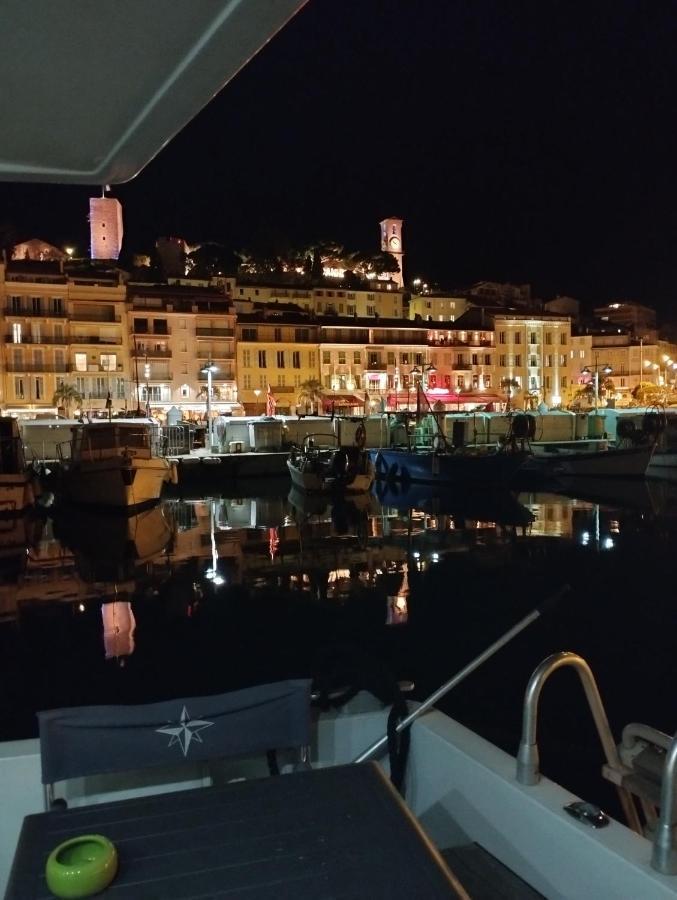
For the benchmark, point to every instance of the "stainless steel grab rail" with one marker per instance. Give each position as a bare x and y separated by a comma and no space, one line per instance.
527,757
664,855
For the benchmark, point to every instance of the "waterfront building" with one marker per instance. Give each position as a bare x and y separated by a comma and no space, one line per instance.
98,344
278,349
174,331
372,365
63,324
463,353
529,353
631,360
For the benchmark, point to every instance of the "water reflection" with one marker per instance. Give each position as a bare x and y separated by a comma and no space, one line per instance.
197,592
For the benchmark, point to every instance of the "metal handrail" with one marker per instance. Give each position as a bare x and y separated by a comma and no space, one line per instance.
664,855
527,757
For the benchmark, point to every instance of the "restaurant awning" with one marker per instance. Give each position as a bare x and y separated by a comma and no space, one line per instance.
341,401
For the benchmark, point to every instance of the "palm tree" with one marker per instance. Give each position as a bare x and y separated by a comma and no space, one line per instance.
509,385
310,393
66,395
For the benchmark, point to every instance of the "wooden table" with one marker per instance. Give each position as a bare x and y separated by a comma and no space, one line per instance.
341,832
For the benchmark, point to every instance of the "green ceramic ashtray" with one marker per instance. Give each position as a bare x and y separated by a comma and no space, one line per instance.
81,866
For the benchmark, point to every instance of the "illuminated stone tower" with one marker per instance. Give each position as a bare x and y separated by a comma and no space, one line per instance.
391,241
105,227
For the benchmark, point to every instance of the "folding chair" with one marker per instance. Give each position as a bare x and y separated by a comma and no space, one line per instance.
97,740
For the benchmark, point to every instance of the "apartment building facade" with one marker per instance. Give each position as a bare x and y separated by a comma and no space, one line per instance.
278,350
175,331
62,327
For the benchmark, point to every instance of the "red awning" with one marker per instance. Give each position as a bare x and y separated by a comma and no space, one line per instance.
341,400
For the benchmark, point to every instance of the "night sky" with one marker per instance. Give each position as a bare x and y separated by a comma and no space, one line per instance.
530,141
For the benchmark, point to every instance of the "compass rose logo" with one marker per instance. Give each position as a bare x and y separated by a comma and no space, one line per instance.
185,731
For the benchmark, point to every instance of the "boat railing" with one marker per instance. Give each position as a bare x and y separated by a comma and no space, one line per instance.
528,772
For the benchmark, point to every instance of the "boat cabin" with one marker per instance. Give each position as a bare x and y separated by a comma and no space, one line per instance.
134,439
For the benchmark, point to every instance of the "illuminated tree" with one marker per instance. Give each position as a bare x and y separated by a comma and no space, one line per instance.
67,395
310,393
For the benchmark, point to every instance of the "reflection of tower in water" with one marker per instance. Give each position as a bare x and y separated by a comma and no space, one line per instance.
119,626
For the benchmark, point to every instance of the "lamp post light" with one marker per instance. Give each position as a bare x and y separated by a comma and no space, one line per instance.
146,375
429,370
257,394
209,368
606,369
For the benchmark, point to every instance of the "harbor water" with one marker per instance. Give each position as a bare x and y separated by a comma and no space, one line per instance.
258,582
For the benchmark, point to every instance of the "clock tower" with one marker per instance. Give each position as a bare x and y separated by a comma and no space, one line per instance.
391,242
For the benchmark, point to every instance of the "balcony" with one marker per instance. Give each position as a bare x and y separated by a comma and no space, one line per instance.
60,368
220,375
95,367
29,339
95,339
217,355
454,342
151,354
35,314
95,317
214,332
147,330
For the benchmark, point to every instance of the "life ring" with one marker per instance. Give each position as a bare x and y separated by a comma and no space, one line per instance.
361,436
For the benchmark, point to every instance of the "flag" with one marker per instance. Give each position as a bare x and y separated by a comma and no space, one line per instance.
271,403
273,542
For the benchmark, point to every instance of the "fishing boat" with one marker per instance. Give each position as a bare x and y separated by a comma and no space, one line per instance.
322,465
115,465
440,463
625,455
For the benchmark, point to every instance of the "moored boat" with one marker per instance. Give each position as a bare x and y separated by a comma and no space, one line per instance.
115,465
442,464
17,486
324,466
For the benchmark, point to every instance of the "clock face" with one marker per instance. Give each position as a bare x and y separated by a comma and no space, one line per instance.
395,243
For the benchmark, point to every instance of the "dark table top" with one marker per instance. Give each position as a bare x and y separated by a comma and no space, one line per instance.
341,832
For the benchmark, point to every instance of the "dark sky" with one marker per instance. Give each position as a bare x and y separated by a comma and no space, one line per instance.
528,141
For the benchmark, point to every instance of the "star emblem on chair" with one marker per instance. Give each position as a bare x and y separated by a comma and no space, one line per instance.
185,731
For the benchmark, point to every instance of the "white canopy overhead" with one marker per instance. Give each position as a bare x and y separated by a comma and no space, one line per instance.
92,90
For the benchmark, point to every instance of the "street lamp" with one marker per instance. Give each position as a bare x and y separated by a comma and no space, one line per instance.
146,375
257,394
427,372
209,368
606,369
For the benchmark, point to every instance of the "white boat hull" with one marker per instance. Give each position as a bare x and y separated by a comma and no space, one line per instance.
312,483
116,482
630,462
